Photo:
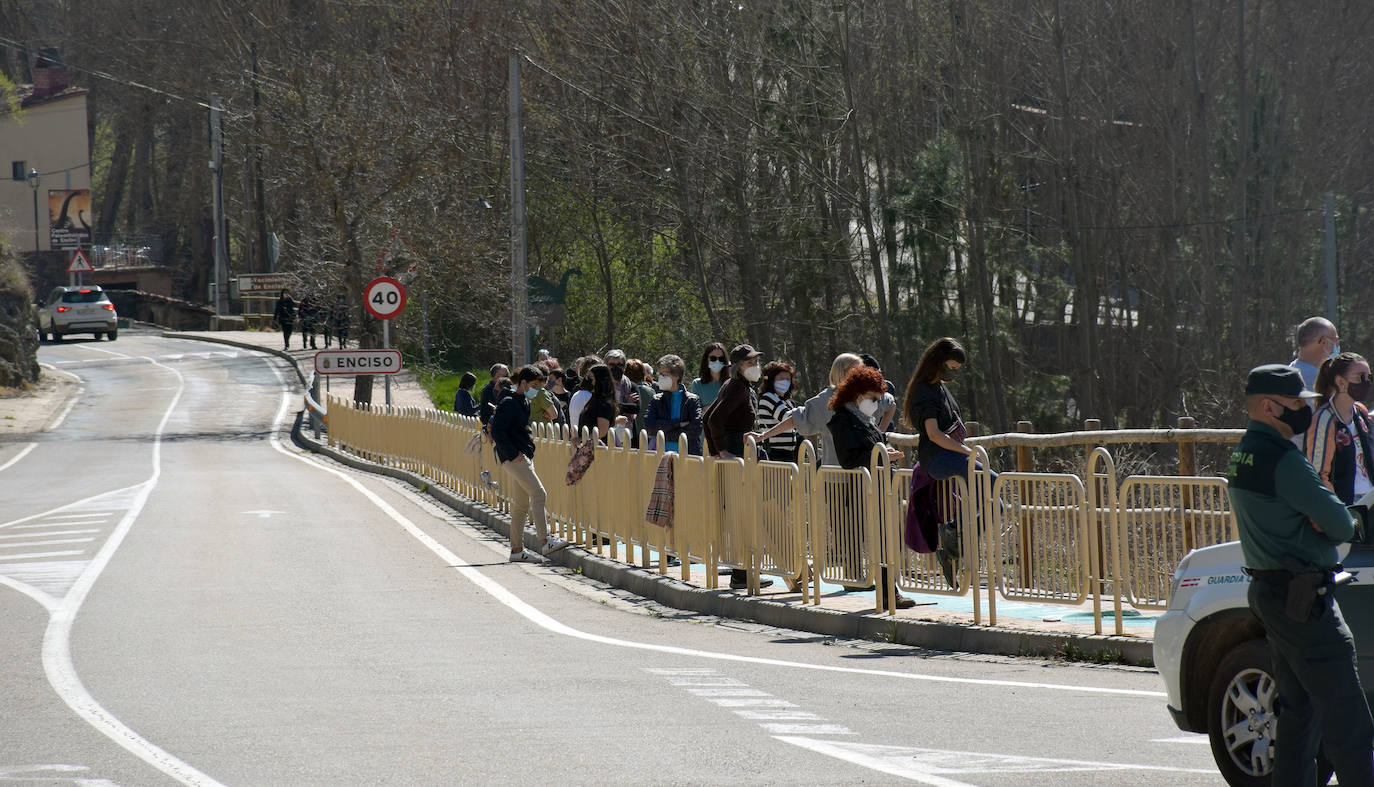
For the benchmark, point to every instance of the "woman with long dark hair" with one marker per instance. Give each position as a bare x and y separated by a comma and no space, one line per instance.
711,374
775,404
599,414
1338,442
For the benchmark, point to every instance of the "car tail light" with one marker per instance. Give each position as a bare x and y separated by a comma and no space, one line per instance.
64,308
109,306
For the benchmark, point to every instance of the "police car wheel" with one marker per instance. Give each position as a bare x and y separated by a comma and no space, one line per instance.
1241,723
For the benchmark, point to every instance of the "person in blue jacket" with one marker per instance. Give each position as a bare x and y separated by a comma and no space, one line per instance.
463,401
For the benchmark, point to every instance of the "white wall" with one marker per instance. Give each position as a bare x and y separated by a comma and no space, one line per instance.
50,137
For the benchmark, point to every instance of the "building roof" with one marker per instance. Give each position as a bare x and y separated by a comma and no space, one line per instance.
27,98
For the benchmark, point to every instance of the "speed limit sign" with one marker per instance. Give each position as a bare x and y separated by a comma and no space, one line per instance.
384,297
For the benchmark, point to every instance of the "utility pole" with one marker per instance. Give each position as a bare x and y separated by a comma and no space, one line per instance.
1332,304
519,296
221,248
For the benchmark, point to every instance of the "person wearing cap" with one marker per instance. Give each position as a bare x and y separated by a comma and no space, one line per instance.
731,417
1290,524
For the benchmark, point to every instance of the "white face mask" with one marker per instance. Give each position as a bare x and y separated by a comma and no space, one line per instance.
782,386
869,407
665,383
753,374
716,366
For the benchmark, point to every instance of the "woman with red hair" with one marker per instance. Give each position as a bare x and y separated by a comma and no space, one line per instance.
852,430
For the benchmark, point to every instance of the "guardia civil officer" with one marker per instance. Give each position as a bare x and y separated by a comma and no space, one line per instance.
1290,524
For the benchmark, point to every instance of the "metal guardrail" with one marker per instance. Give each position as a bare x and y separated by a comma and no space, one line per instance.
1045,537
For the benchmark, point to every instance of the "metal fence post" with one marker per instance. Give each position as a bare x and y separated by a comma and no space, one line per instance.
1024,464
1094,425
1187,466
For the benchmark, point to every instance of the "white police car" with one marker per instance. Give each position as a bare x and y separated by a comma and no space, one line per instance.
1211,651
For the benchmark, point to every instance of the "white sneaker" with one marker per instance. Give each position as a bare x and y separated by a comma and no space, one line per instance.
553,544
523,556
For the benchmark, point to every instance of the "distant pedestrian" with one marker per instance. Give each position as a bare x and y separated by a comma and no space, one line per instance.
306,315
674,410
775,401
710,374
1317,340
510,430
339,320
730,418
285,316
1338,443
463,403
491,393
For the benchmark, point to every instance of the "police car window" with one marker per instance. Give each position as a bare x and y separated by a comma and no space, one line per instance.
82,296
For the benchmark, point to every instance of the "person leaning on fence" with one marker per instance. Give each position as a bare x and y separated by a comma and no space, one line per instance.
463,403
932,411
1290,524
775,399
285,315
510,430
730,418
857,401
674,410
812,418
1338,442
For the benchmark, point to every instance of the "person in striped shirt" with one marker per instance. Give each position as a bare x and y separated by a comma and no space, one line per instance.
775,402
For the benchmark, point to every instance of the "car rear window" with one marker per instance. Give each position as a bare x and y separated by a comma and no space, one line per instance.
83,296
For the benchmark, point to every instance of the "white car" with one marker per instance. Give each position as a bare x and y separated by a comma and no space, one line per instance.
77,310
1212,653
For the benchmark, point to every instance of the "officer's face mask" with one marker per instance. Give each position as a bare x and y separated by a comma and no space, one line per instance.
1298,420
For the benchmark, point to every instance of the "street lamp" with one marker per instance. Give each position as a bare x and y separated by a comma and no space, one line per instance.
33,184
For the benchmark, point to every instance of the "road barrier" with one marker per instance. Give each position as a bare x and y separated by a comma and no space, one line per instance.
1050,538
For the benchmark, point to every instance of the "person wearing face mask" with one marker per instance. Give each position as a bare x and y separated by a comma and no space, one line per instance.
730,417
544,405
626,397
775,402
711,374
1338,442
510,430
674,410
1317,340
1290,525
855,406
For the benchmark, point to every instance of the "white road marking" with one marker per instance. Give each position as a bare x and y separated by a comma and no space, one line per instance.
63,523
49,542
1198,739
41,554
27,448
57,650
82,514
263,514
76,397
807,729
50,533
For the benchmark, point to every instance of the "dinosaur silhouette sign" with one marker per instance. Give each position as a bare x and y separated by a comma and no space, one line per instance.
69,218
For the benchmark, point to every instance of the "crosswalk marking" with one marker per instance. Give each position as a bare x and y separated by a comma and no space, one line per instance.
41,554
84,525
775,715
49,542
50,533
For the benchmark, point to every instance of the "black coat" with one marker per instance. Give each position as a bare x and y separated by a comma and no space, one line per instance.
510,427
853,438
659,418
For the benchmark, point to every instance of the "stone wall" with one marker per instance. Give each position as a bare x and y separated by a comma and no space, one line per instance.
160,310
18,341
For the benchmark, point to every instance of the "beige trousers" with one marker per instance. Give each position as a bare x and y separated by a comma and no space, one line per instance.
527,497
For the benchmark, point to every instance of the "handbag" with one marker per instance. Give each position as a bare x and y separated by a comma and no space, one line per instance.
474,445
581,460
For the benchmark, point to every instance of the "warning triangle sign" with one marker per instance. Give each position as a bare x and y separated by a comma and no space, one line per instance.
79,263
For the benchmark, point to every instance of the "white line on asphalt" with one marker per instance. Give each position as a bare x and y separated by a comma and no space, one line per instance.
44,543
63,523
51,533
41,554
76,397
499,592
83,514
1189,739
57,646
18,456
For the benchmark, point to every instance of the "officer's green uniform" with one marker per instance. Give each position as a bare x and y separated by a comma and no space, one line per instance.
1276,497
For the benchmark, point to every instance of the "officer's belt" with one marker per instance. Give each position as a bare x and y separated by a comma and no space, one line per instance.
1284,575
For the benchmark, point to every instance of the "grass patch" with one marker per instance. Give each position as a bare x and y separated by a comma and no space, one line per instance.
1071,652
441,385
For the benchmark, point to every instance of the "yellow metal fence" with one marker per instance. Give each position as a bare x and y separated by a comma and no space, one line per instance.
1042,537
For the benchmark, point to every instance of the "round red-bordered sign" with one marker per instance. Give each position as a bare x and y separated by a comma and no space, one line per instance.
384,297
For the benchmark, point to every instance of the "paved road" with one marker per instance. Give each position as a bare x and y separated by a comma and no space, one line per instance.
189,599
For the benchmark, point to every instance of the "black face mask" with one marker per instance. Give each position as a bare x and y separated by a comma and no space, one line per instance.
1298,420
617,372
1359,391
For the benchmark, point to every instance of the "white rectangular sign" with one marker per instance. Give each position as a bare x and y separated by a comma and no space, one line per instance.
259,283
358,361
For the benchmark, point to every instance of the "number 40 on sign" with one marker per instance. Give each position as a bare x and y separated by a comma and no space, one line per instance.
384,297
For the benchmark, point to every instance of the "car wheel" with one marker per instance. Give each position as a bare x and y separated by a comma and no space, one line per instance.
1241,722
112,335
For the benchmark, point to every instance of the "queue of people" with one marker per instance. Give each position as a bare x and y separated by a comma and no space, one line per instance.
311,318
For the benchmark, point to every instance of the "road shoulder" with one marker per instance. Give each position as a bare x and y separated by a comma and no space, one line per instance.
27,412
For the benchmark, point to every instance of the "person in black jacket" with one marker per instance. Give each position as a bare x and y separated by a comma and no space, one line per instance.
491,393
510,430
674,409
856,403
285,315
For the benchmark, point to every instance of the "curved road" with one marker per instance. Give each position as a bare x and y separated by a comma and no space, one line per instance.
187,598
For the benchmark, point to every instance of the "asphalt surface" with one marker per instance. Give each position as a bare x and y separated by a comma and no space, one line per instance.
187,598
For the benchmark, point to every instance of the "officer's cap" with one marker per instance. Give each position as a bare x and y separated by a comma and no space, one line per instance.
1275,379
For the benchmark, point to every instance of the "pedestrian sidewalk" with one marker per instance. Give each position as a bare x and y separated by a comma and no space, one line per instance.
938,621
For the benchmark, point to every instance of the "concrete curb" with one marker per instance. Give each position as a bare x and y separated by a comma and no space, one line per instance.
241,345
728,604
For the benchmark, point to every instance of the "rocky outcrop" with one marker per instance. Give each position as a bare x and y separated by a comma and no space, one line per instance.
18,341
